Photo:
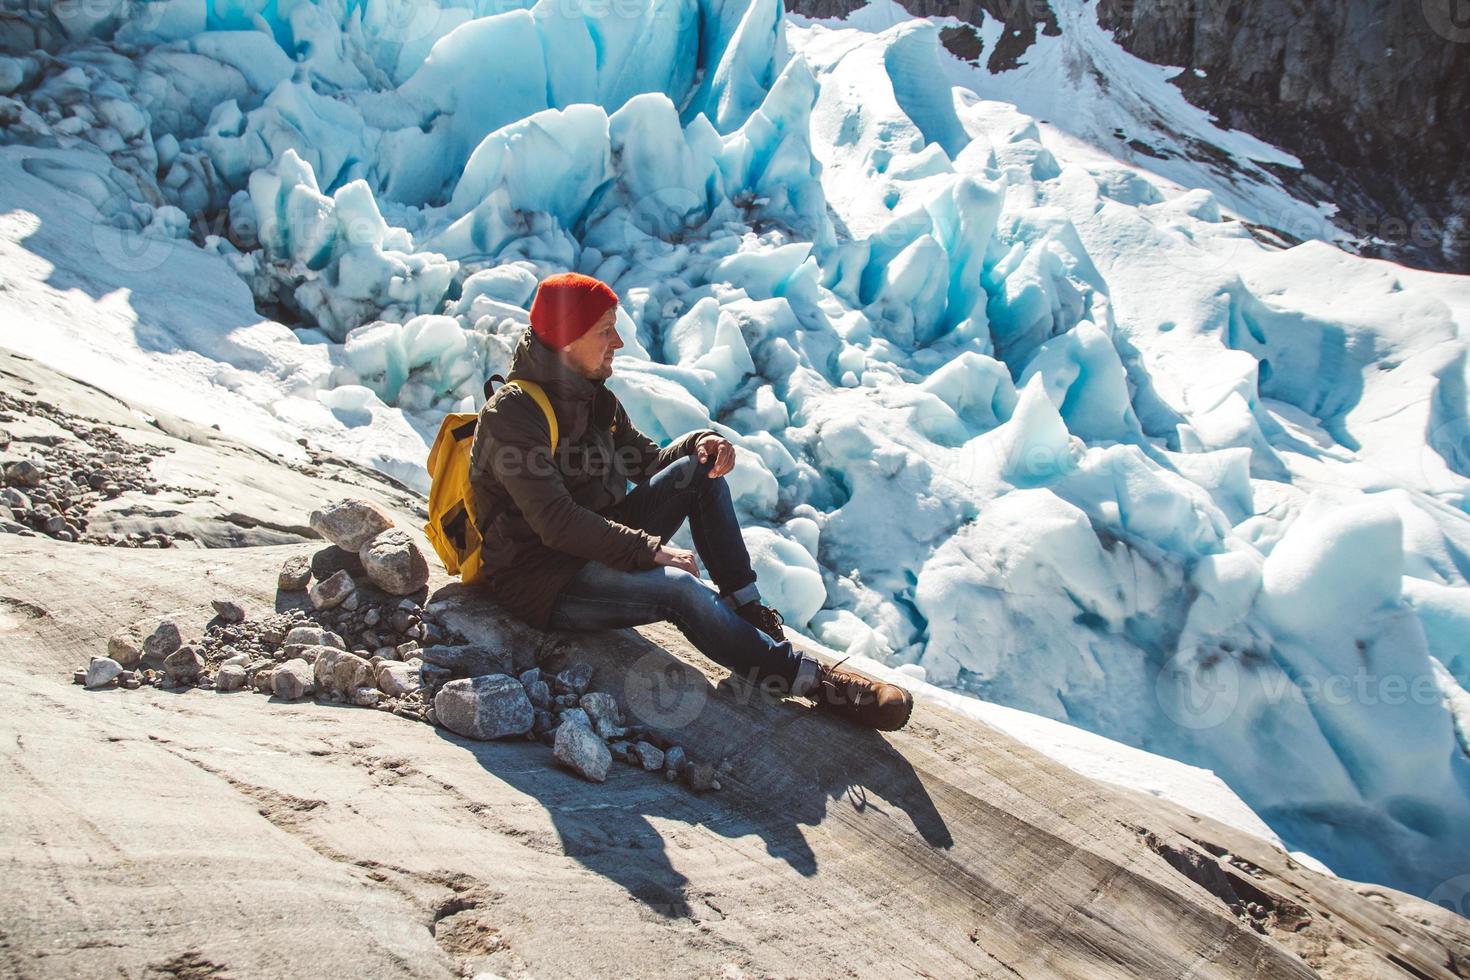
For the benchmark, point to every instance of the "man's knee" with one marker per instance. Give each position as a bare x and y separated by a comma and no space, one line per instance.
683,593
691,474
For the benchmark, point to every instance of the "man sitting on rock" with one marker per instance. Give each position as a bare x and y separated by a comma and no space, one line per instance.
568,546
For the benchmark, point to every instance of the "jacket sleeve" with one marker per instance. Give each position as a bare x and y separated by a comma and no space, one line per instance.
642,455
521,461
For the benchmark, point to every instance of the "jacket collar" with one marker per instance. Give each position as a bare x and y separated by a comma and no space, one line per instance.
537,362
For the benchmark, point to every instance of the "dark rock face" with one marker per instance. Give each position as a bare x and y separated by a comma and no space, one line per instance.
1020,16
1370,94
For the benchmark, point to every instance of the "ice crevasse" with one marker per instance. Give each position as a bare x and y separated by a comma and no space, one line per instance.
1049,427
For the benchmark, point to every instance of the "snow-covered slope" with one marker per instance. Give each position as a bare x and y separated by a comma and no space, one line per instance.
1045,426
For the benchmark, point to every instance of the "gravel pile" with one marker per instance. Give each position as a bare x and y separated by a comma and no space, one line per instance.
364,645
49,483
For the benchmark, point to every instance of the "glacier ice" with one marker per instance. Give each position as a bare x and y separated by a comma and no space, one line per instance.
1043,425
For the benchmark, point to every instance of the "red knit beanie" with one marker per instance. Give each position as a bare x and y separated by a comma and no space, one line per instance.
567,305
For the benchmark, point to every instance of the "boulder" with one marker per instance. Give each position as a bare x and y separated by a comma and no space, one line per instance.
24,473
399,680
350,523
295,574
395,563
184,665
293,679
231,677
153,638
228,610
464,661
333,592
101,672
581,751
486,707
340,672
331,560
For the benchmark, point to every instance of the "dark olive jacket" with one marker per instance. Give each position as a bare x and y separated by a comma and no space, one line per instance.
541,515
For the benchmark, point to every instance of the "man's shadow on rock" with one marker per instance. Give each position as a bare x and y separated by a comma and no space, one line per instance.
789,761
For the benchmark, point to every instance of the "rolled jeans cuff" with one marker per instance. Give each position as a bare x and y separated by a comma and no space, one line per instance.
740,597
806,677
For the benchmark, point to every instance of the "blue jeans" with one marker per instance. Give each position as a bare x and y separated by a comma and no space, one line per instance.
600,597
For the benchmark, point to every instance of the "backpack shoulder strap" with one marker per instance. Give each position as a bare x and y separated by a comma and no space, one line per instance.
539,397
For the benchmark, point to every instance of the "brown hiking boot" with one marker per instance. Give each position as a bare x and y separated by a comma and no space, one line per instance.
763,618
868,702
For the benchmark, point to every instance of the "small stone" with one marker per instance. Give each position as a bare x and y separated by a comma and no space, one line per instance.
714,784
55,525
529,677
15,500
577,748
574,679
295,574
544,722
486,707
606,729
79,676
230,678
333,592
394,562
228,610
370,618
675,760
365,697
103,671
350,523
399,679
292,679
699,776
235,659
405,650
184,665
351,602
575,716
539,693
25,473
265,681
129,681
650,757
599,705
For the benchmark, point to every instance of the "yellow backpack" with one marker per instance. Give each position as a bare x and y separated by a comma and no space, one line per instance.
452,528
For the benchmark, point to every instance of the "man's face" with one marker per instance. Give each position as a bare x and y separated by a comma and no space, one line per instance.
591,355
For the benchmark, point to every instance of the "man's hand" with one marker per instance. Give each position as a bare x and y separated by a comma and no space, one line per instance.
720,449
678,558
